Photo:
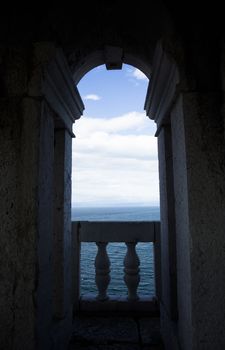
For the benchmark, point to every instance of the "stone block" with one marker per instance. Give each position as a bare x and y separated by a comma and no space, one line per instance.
105,330
106,347
150,331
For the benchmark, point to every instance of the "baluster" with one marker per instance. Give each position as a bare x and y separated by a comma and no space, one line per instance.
102,271
131,271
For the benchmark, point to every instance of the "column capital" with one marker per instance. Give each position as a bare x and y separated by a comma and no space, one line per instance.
162,87
60,91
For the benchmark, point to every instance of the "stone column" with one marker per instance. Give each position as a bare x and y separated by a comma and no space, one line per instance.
44,168
62,223
35,99
200,204
168,223
197,162
65,102
159,100
26,192
184,331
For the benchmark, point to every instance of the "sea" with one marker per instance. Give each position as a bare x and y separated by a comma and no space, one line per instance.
117,251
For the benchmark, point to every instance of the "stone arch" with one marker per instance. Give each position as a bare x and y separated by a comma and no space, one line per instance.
164,77
164,74
105,56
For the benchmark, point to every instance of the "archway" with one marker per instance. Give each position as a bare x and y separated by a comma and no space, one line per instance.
158,103
116,165
161,96
112,57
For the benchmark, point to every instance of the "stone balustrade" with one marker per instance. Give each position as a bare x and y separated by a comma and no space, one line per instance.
102,233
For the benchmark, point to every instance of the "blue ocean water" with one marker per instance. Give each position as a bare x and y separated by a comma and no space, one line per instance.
117,251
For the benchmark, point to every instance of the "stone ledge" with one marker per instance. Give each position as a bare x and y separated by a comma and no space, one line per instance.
116,333
105,330
88,303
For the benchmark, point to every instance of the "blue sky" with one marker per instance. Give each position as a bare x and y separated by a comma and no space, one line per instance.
115,151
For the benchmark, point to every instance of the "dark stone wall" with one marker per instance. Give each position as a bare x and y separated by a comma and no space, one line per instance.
187,37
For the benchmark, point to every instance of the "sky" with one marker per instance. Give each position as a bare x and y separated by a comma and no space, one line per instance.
114,155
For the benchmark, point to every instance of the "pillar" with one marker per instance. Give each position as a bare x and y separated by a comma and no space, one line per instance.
201,223
66,105
62,222
35,100
26,192
168,222
197,166
161,92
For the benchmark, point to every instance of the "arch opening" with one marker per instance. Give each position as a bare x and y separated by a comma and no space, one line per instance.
115,101
115,162
113,58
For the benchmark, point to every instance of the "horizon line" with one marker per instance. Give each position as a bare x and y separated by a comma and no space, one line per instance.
114,206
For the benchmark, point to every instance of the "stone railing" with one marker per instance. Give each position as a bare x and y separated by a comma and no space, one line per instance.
102,233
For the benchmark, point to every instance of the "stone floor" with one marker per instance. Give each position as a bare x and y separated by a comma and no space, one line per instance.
116,333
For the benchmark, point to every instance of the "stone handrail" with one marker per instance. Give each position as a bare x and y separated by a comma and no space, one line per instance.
104,232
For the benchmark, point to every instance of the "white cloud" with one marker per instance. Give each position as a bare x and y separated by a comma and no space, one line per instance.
92,97
135,122
115,161
136,73
120,146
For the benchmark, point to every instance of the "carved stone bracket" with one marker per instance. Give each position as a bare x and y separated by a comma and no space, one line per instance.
162,87
61,93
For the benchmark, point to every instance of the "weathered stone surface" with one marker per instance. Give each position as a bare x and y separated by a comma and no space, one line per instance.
150,330
198,154
18,217
105,330
10,137
15,70
106,347
199,183
153,347
116,333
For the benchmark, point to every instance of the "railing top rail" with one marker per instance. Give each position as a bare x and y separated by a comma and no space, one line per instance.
116,231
